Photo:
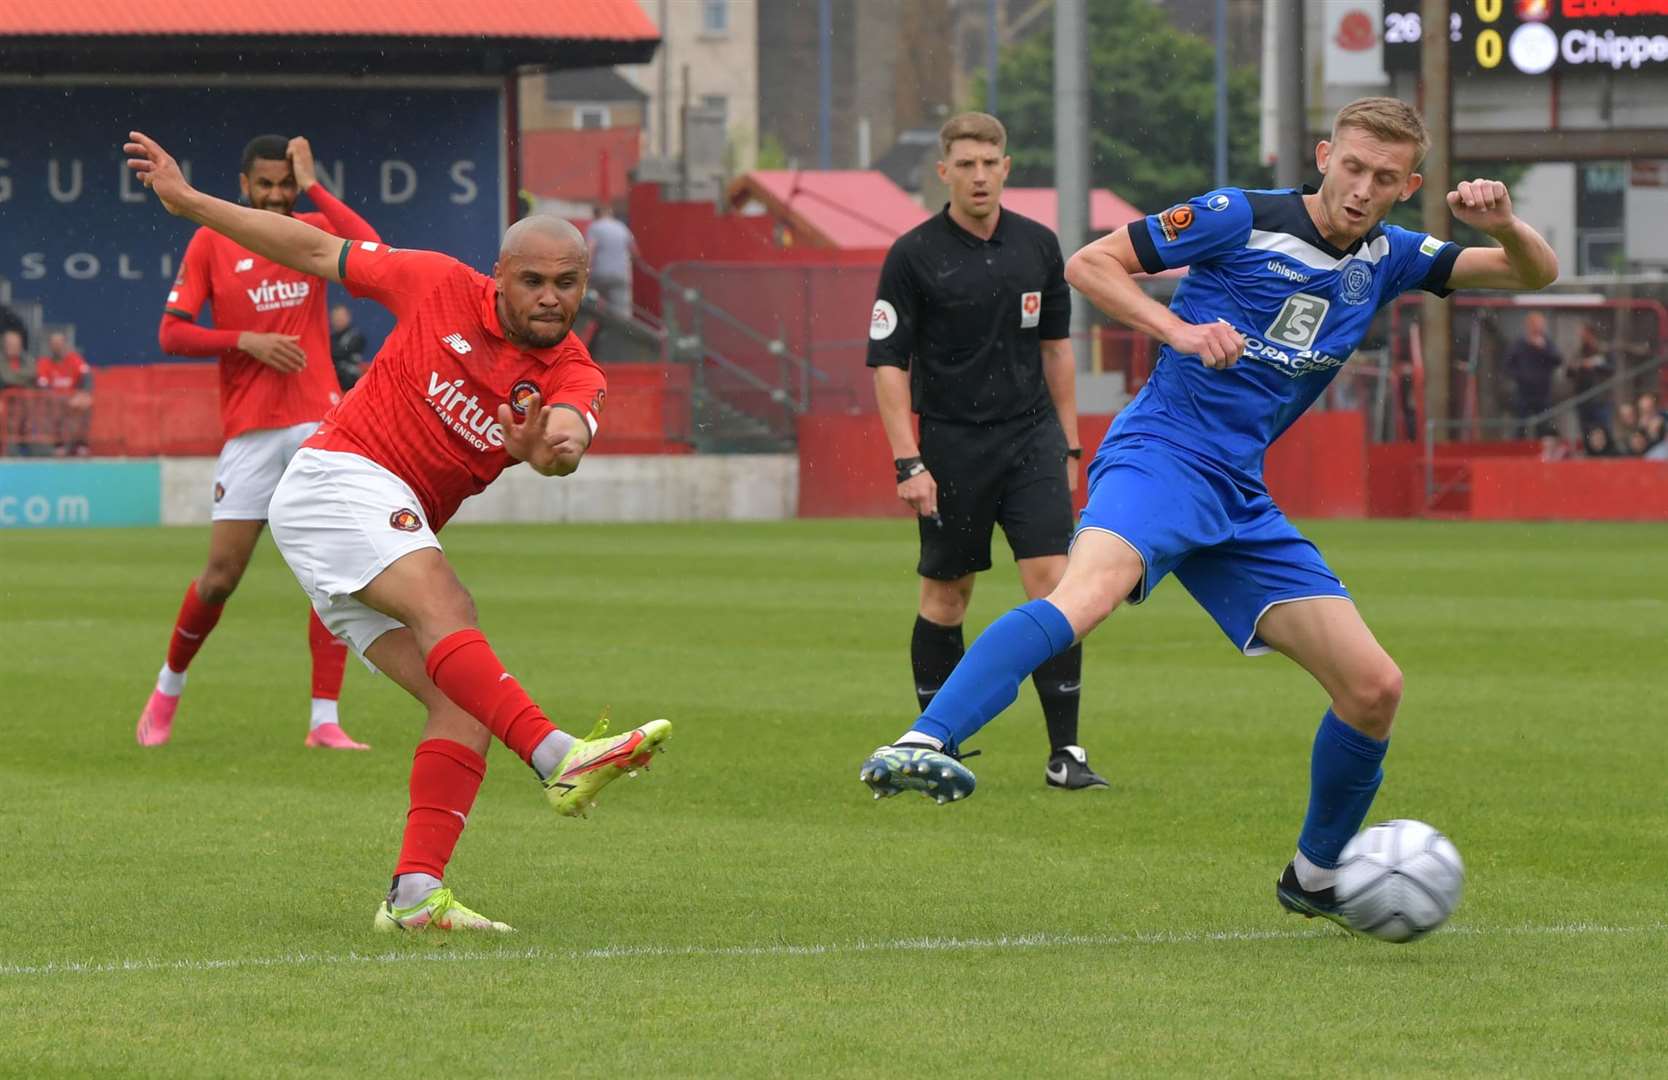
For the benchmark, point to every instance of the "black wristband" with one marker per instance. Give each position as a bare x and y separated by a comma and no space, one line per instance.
1075,453
908,467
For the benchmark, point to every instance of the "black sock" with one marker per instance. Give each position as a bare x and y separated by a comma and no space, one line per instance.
933,652
1059,684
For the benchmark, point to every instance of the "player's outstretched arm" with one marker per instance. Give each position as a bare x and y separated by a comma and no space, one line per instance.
1105,270
1523,262
278,237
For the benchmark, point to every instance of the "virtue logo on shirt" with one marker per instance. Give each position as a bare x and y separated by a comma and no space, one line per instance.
272,295
464,413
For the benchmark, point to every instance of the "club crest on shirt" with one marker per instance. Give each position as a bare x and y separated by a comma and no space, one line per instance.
405,519
219,491
519,395
1175,221
1355,285
596,402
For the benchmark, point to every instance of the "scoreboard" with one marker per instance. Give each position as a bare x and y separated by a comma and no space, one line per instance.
1534,37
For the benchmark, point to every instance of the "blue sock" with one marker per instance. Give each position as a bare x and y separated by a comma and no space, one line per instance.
987,679
1345,769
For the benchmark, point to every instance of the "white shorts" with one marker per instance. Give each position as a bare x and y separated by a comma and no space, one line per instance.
339,520
249,468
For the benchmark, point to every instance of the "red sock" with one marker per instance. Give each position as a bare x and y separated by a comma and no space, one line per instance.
466,670
191,627
329,659
444,779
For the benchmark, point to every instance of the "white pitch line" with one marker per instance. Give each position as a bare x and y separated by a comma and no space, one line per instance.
902,945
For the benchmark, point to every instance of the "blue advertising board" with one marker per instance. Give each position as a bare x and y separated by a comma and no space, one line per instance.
78,234
48,494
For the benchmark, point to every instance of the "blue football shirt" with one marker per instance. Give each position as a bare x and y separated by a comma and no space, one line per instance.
1258,263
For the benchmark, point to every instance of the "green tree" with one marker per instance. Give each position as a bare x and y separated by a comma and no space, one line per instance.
1152,109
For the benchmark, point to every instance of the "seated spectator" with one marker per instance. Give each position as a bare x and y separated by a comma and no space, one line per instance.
1648,404
10,321
1636,444
1597,444
347,347
1554,449
17,379
67,375
1627,418
1655,429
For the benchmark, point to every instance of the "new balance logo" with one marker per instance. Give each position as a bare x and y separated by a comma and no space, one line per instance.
504,676
459,346
242,265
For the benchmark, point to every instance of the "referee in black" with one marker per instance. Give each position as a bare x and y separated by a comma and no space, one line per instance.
971,327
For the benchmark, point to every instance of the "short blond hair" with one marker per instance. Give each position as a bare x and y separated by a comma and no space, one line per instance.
1386,118
972,125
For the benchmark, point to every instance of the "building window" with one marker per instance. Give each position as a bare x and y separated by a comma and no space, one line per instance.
715,17
718,102
591,117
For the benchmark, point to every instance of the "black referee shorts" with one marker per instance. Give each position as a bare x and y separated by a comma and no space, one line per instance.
1012,473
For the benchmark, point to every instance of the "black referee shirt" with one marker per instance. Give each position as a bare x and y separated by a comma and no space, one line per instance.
966,317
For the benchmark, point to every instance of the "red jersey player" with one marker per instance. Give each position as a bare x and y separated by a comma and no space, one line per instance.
479,373
276,382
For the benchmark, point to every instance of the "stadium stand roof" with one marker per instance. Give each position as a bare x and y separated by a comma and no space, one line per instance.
831,208
1107,212
391,37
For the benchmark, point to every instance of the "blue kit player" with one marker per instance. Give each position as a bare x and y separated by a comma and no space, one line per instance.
1281,289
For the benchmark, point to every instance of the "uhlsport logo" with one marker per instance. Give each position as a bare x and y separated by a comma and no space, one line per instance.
273,295
520,394
462,412
405,519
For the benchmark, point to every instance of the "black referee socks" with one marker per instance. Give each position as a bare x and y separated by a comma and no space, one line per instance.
934,652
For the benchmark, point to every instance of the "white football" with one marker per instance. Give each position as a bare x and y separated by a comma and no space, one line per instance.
1399,881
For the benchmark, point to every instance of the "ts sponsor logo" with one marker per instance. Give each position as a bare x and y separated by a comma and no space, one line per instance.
462,412
405,519
882,320
458,344
520,394
273,295
1175,221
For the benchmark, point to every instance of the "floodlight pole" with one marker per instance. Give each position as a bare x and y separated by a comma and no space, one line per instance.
825,84
992,15
1071,147
1221,93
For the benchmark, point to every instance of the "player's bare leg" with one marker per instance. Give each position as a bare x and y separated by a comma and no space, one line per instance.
1101,572
421,590
231,543
1328,637
1059,684
446,774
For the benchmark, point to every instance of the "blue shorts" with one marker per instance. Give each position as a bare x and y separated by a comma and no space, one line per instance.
1231,548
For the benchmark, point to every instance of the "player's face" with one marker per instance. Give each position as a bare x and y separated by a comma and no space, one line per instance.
270,185
539,290
1362,177
974,171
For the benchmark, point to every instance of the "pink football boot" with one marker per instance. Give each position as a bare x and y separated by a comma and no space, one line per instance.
156,723
332,737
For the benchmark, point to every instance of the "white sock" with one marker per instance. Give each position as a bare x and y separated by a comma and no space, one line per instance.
915,738
324,712
169,681
549,754
1312,877
413,889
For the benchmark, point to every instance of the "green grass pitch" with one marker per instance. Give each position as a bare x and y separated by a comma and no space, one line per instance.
746,910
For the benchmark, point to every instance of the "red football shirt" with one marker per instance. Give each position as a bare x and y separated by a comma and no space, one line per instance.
427,407
251,293
65,374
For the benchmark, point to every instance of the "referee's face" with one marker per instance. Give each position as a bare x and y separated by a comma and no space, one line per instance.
974,172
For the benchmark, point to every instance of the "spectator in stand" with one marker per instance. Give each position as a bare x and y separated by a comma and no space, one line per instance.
612,249
1530,364
1597,443
1590,367
69,377
1649,405
347,347
1627,418
17,376
11,321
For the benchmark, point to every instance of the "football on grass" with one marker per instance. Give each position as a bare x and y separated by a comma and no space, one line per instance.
1399,881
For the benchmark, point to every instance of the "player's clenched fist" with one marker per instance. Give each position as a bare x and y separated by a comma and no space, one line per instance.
300,153
1216,344
1485,205
158,170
